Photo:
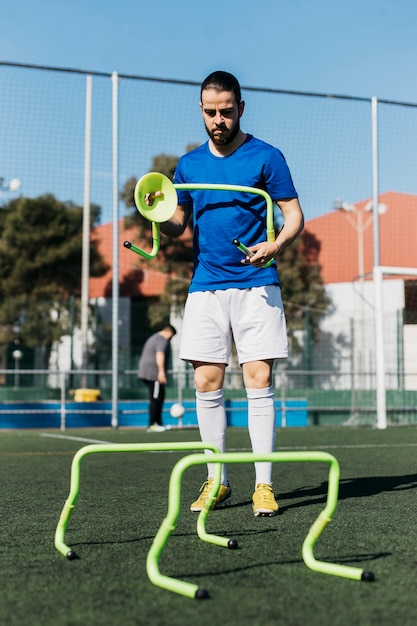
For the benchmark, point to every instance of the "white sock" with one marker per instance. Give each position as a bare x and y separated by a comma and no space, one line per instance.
261,425
212,423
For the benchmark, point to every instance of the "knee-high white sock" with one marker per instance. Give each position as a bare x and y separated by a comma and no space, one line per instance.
261,426
212,423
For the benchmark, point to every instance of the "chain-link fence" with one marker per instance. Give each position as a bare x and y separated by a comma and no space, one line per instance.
51,119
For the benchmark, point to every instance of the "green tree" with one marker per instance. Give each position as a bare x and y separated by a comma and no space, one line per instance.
303,292
40,268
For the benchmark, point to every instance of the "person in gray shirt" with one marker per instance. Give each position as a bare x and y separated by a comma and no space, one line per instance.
152,371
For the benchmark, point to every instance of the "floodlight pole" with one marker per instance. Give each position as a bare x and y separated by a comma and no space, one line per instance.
85,263
381,401
115,276
375,180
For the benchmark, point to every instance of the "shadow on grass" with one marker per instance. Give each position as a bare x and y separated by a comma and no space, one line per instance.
348,559
350,488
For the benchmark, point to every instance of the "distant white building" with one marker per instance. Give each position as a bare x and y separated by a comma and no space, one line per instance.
347,259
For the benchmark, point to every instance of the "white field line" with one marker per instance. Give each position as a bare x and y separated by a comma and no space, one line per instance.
71,438
348,446
278,449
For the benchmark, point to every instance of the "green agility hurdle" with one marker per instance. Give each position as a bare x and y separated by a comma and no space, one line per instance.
70,502
169,524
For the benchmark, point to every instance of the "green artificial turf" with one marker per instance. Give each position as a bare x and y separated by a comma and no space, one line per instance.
123,499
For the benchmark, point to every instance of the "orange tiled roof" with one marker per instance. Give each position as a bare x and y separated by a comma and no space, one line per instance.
135,278
339,237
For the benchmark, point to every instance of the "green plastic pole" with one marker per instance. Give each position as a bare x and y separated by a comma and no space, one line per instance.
156,243
166,529
169,523
69,505
316,530
270,232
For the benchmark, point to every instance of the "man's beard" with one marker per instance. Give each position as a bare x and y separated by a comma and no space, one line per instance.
225,139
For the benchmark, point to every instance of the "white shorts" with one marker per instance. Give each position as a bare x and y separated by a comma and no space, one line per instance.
251,318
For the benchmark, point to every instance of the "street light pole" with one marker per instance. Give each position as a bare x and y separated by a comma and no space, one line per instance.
13,184
360,226
17,355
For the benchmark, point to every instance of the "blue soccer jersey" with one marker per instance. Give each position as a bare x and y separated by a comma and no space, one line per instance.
221,216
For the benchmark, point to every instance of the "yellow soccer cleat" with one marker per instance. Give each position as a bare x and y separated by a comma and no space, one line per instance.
224,497
264,503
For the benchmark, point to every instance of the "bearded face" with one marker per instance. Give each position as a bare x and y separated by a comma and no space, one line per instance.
221,115
222,135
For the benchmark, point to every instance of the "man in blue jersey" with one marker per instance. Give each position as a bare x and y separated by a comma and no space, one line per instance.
233,298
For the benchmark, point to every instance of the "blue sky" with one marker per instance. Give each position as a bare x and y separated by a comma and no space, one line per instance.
361,47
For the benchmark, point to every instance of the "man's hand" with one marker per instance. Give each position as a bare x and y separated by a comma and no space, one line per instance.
263,252
150,197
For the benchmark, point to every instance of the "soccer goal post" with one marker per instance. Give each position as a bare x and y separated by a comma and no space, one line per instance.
381,388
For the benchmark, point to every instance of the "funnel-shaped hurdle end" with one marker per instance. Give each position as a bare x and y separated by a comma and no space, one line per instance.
164,205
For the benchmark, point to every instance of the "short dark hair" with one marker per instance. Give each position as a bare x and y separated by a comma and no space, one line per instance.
170,327
222,81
